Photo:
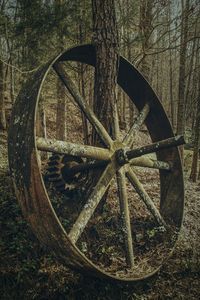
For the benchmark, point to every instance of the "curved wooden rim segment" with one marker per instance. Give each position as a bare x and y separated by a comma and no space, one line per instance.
27,178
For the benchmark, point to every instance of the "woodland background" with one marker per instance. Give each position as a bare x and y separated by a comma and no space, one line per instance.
162,39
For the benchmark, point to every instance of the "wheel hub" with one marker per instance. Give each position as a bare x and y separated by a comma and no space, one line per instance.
121,157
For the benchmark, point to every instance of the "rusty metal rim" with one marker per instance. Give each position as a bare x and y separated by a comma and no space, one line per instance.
83,262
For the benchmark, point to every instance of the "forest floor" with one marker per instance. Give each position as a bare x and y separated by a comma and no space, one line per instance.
28,271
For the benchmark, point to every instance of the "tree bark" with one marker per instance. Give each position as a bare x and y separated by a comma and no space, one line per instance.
194,169
81,67
2,102
61,101
146,17
172,104
182,69
105,40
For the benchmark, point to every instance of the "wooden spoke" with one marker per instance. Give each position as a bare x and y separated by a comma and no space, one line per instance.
128,140
116,130
92,202
62,147
155,147
124,208
144,196
71,87
150,163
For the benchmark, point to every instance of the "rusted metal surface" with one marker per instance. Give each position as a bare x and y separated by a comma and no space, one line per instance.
28,181
60,171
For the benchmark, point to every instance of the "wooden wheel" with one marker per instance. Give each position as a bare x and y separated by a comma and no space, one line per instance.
118,161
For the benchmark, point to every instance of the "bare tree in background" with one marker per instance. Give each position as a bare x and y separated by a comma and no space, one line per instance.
2,103
194,169
182,68
61,100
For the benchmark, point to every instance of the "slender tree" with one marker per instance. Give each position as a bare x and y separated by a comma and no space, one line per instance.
146,16
182,68
194,168
2,99
61,101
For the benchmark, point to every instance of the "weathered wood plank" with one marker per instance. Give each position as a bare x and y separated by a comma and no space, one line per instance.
151,163
144,196
69,148
94,199
125,215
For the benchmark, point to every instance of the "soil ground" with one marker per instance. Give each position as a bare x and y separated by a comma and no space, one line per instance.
28,271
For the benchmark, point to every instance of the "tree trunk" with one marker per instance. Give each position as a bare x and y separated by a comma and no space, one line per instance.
194,169
146,17
61,101
12,84
81,68
192,82
127,54
105,40
61,112
2,102
121,96
172,104
182,70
